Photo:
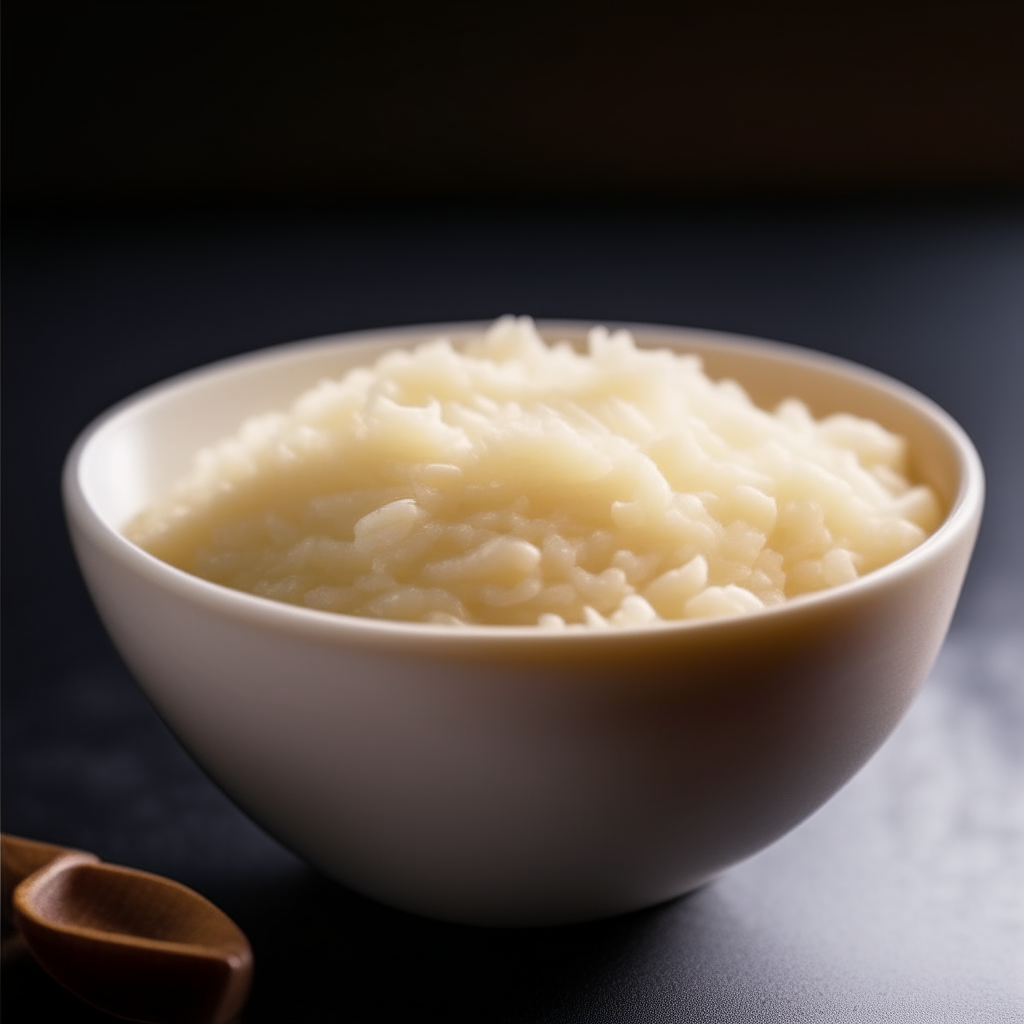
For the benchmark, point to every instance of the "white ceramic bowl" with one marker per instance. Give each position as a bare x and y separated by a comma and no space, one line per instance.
512,776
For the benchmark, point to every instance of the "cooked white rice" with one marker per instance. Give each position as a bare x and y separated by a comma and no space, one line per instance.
518,483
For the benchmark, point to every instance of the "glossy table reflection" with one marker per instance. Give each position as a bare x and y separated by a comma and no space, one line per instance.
901,900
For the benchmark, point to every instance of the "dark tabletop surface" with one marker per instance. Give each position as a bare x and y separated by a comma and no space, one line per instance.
901,900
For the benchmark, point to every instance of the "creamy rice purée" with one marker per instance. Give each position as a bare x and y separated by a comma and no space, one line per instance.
512,482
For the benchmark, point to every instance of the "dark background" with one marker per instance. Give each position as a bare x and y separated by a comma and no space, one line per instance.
159,101
182,184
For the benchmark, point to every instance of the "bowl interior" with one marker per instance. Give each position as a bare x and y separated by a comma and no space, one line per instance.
136,453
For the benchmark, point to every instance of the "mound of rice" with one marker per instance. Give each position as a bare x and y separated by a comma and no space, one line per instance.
518,483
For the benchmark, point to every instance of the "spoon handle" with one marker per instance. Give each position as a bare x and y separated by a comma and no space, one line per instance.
20,858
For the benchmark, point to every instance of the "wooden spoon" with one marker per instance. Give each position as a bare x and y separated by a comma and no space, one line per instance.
133,944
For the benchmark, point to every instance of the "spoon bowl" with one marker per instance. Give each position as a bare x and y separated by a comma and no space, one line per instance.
131,943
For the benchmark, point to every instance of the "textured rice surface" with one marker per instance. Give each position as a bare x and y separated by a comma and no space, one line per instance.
513,482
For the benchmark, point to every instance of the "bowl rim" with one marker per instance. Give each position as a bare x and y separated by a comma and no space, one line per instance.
963,515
